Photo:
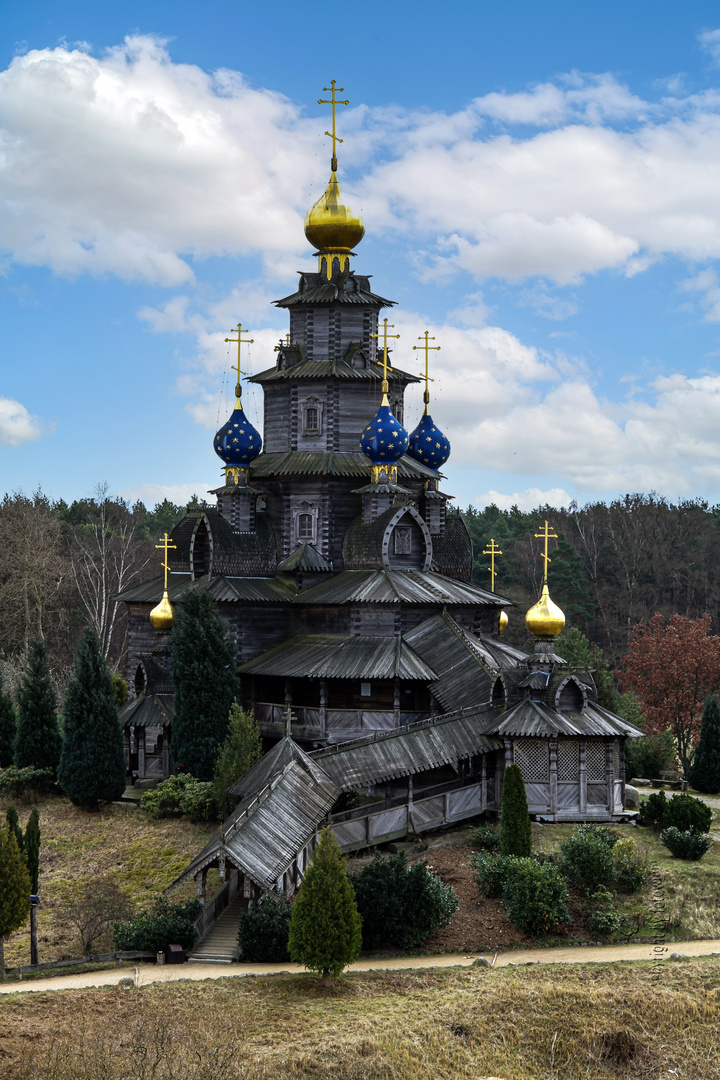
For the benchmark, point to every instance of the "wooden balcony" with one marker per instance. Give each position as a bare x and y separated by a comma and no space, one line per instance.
330,725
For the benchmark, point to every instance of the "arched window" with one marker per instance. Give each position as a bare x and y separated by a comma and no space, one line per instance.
201,551
139,680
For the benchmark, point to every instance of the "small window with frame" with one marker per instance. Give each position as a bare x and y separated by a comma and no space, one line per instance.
312,417
305,527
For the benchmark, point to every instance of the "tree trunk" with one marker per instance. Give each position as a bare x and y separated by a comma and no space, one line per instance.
326,978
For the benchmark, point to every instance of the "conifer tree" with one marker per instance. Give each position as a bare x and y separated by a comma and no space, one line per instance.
14,890
705,769
92,763
38,740
203,673
325,926
32,848
515,830
8,728
13,823
241,749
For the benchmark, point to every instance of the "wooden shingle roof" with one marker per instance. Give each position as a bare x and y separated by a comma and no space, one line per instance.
326,656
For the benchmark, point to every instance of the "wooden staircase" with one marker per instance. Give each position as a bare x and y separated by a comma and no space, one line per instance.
219,946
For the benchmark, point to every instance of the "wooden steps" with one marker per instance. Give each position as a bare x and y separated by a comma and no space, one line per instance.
220,943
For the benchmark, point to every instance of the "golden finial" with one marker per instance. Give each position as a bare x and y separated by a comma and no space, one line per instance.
545,619
240,340
492,552
384,362
333,101
161,616
427,347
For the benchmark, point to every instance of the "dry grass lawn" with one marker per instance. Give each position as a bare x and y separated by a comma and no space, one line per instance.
119,843
598,1022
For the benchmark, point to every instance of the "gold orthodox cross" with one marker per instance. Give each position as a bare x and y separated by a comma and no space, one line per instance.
384,362
236,367
333,101
492,552
166,546
546,535
427,347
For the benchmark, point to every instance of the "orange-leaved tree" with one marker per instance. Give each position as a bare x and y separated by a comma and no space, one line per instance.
672,667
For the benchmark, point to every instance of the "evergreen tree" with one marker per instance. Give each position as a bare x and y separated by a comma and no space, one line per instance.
32,848
325,927
92,763
13,823
8,728
705,769
14,890
241,749
515,831
38,740
203,673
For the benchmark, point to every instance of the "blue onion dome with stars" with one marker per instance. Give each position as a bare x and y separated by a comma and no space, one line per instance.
384,440
428,445
238,442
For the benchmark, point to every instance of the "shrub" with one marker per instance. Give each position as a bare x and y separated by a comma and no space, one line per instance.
14,889
489,870
515,830
325,927
401,905
630,865
686,812
604,919
586,858
32,848
181,794
37,741
92,907
653,810
166,924
485,838
685,843
23,783
8,727
264,929
535,896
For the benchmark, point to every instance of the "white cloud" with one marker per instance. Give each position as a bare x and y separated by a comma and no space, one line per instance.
710,41
17,426
530,499
706,282
180,494
131,164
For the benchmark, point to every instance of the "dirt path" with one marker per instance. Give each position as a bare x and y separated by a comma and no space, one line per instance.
145,974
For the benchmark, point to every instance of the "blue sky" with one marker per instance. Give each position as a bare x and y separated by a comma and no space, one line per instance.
540,186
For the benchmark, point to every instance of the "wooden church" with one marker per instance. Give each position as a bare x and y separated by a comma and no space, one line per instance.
345,579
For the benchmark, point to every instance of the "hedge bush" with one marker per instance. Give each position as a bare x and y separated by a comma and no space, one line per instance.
630,865
485,838
489,870
535,896
515,829
264,928
685,843
586,858
681,811
21,783
401,905
167,924
604,919
182,795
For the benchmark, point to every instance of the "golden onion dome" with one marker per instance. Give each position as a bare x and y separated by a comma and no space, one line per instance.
503,621
329,225
545,619
162,616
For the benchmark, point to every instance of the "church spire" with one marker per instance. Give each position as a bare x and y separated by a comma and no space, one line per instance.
330,226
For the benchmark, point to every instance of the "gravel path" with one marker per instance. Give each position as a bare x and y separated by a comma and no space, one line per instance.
145,974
